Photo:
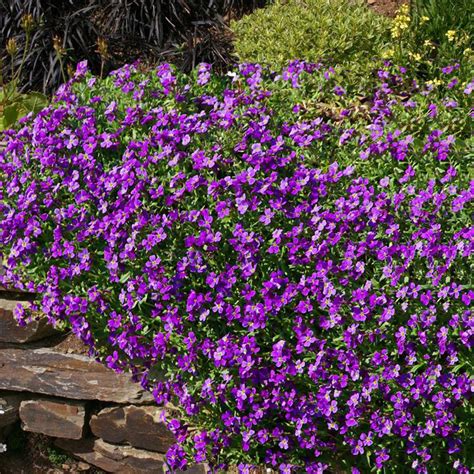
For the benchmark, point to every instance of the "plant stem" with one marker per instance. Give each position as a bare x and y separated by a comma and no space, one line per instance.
62,68
1,74
27,44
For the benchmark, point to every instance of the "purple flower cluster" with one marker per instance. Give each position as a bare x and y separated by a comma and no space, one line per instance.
298,283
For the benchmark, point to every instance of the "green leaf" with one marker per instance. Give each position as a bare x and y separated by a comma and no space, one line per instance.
10,115
34,102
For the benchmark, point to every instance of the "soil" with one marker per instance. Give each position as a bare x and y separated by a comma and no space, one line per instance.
386,7
35,454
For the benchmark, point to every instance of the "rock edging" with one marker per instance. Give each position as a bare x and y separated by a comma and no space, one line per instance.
96,415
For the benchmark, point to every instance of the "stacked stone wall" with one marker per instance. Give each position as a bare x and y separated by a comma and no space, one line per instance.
92,413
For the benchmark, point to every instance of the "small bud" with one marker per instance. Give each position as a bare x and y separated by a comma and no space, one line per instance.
58,47
102,48
70,70
12,47
27,22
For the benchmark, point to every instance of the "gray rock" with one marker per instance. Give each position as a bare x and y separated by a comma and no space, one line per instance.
10,331
140,426
114,458
73,376
58,418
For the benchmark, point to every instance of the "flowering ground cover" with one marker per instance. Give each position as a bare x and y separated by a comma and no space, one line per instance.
286,261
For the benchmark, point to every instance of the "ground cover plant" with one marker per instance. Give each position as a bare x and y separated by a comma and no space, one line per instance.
289,264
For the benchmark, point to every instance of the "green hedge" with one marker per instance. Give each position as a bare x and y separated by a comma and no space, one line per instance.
339,30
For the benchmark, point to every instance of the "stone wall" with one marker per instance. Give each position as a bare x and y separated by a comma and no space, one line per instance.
49,386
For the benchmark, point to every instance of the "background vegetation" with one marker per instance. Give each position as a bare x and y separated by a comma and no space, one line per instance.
338,31
185,31
348,35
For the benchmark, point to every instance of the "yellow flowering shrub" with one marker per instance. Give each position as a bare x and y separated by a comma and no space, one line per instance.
429,32
401,22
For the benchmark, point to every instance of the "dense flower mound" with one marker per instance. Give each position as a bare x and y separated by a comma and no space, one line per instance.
288,264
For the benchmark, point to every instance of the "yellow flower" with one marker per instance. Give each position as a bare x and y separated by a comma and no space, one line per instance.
404,9
388,53
58,46
401,21
103,48
415,56
27,22
429,45
464,38
424,19
435,82
451,35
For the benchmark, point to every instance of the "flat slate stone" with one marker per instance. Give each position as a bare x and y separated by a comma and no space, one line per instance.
10,331
84,450
196,469
140,426
114,458
9,408
58,418
73,376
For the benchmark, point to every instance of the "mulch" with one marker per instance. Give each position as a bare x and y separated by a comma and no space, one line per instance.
386,7
32,456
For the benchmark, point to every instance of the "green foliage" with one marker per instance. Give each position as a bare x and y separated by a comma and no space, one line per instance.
14,105
443,16
337,30
428,34
56,457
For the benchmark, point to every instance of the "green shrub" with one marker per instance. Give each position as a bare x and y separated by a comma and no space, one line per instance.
339,30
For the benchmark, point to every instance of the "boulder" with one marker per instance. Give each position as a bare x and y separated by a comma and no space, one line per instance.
58,418
73,376
114,458
140,426
10,331
9,408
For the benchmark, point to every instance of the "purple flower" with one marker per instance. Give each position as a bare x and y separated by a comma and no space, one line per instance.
294,284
